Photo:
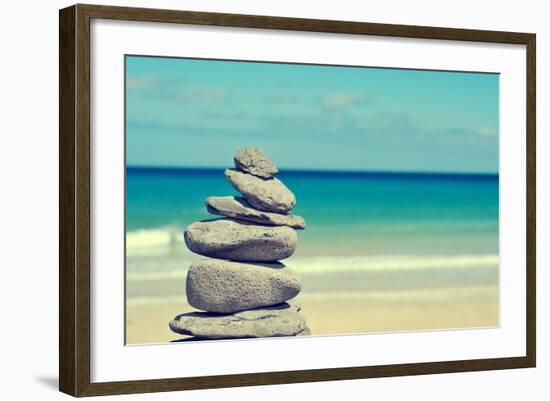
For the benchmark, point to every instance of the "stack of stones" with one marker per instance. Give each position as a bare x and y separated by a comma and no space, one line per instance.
244,288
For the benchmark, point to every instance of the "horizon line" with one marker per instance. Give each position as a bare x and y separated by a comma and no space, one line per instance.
312,170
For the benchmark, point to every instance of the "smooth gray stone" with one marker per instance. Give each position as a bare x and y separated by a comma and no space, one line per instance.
239,208
254,161
221,286
276,321
234,240
270,194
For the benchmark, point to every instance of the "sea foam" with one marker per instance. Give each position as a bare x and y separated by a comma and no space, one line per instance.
374,263
152,241
318,265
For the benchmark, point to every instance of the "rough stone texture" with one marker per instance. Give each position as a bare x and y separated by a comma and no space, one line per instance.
215,285
270,195
276,321
305,332
233,240
238,208
254,161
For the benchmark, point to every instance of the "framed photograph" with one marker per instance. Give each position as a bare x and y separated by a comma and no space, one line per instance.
249,200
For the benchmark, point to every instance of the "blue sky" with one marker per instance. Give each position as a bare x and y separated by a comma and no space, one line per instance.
198,113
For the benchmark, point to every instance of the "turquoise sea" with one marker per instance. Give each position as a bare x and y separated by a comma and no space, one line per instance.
367,230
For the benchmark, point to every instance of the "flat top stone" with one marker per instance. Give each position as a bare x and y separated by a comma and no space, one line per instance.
270,195
275,321
238,208
254,161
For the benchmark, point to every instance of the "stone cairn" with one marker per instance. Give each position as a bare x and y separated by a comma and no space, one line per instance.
244,287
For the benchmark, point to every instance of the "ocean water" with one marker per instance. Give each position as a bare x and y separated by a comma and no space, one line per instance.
365,231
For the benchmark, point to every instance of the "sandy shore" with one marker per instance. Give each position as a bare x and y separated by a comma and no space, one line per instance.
148,323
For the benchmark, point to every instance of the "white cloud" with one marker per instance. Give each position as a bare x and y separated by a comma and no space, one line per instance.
341,100
174,88
139,82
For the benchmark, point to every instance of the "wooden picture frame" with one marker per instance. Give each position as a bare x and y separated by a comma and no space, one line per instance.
74,199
